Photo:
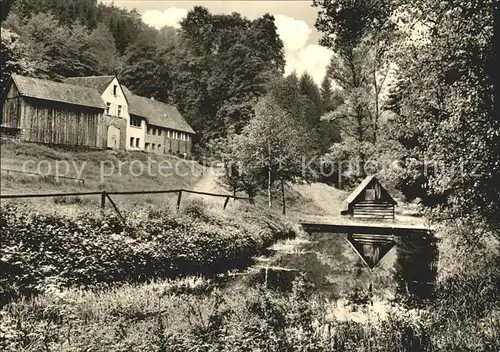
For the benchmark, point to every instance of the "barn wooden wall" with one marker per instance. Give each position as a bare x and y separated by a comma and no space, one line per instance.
367,209
53,123
11,109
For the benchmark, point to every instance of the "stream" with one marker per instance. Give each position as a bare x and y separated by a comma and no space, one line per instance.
331,263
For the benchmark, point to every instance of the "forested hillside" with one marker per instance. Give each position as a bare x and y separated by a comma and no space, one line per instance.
214,68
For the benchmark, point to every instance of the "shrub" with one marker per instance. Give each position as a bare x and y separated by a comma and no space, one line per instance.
40,250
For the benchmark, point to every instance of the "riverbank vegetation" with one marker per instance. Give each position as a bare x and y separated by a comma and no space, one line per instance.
76,282
82,248
194,314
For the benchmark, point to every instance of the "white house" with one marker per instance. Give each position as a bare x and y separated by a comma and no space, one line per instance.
123,131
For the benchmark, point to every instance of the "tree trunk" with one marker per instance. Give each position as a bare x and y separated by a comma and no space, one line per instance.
283,196
269,186
339,176
375,122
269,172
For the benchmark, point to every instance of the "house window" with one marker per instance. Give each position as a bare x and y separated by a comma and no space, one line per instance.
159,132
146,146
108,106
137,142
149,130
134,121
131,141
159,147
153,146
154,131
115,89
119,113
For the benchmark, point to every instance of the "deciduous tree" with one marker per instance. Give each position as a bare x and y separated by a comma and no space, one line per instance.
13,58
358,32
445,107
272,145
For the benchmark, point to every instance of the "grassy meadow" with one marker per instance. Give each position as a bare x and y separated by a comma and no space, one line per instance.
121,169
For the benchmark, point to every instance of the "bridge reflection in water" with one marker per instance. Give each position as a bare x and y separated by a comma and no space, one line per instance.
356,259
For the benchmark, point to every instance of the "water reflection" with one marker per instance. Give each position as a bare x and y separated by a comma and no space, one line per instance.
331,263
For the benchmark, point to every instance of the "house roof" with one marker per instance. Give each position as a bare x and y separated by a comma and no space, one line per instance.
363,185
156,113
98,82
55,91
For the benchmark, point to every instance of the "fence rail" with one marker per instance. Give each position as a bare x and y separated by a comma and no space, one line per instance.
107,195
76,179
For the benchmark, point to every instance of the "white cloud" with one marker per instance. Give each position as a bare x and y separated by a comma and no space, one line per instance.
294,33
171,17
299,56
313,59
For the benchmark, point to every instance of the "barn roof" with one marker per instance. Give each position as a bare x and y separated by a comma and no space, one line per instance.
98,82
55,91
156,113
363,185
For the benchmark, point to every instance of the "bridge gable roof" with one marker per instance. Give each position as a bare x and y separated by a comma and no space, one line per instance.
368,181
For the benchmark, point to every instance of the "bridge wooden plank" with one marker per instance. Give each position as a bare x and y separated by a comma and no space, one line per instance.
365,229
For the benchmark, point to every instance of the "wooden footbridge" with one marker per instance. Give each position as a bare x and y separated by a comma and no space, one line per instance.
387,229
371,241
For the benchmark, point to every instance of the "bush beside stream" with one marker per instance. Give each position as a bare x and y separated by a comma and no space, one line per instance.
42,249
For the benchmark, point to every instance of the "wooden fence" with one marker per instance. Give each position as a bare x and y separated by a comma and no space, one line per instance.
107,195
32,173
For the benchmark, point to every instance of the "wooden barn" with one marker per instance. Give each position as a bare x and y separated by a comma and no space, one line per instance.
370,201
44,111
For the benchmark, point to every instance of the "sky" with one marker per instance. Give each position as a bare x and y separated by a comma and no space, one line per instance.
294,22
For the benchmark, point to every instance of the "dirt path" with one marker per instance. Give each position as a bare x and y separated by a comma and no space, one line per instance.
209,182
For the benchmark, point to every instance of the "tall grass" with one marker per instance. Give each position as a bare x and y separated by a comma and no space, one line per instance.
194,315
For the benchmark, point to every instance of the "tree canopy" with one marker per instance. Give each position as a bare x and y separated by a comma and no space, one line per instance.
444,102
359,33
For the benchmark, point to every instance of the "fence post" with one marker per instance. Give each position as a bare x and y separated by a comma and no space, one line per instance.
179,199
227,201
103,200
116,209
